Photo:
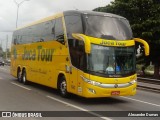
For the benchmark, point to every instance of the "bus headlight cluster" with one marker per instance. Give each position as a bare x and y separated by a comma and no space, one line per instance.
133,81
91,81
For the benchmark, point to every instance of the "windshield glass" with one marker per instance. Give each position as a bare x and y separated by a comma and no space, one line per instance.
111,61
105,27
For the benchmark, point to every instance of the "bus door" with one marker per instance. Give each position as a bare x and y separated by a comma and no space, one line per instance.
74,65
77,55
78,61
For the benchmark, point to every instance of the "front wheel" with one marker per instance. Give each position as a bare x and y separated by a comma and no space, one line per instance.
63,87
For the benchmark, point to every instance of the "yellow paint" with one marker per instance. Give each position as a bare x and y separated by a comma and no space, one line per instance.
88,40
43,69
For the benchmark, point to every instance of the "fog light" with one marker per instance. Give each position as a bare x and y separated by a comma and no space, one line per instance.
91,90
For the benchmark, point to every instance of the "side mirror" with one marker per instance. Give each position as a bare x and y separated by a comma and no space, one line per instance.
146,46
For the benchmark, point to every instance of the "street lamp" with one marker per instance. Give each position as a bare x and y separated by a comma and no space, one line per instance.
18,5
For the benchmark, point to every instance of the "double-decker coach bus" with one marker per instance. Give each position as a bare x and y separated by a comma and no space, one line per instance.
90,54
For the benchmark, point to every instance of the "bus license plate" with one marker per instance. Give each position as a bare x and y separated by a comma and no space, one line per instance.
115,93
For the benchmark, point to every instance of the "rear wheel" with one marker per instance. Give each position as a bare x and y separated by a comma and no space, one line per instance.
24,79
63,87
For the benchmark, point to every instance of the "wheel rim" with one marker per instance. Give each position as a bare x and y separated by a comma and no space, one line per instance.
63,87
19,76
24,78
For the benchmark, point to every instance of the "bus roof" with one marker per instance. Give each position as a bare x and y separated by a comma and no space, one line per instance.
41,20
71,12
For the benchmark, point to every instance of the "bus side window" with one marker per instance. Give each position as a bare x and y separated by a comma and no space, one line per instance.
38,30
73,25
59,32
77,53
47,34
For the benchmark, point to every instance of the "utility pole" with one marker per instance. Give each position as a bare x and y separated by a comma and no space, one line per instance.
18,5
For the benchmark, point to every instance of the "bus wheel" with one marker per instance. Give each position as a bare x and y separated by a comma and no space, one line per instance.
19,75
24,80
63,87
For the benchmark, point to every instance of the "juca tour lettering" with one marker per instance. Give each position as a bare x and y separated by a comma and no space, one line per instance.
39,54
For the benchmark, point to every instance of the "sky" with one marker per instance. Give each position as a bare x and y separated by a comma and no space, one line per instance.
32,10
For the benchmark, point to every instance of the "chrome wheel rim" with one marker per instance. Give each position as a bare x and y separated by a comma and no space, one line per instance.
19,76
24,78
63,87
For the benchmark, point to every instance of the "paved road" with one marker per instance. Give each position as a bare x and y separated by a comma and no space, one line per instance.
18,97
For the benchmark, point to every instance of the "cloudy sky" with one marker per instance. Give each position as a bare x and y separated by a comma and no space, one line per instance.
31,10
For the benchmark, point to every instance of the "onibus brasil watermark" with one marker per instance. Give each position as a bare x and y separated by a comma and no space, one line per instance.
79,114
21,114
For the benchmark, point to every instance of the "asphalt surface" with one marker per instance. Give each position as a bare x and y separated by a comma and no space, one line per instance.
15,96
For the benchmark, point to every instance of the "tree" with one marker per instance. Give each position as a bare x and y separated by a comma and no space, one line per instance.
144,17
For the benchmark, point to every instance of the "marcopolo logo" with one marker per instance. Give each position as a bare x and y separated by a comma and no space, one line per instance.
39,54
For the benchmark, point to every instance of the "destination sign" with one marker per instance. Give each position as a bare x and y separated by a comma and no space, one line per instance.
113,43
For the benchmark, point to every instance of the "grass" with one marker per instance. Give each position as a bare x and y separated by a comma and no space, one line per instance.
148,71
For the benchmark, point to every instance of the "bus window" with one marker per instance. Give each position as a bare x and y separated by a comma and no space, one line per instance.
59,33
47,33
73,25
76,47
107,27
19,37
77,53
37,33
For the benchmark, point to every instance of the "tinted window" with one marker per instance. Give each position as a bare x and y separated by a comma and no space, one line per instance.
40,32
27,35
58,30
19,37
47,33
36,33
107,27
73,25
77,53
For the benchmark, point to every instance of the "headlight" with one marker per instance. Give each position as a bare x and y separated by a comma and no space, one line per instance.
133,81
91,81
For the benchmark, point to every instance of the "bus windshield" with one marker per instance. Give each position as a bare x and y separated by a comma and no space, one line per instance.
111,61
105,27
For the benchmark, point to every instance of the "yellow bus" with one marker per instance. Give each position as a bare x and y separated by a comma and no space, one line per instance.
90,54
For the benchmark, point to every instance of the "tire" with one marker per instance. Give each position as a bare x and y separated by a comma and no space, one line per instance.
63,87
19,75
23,78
